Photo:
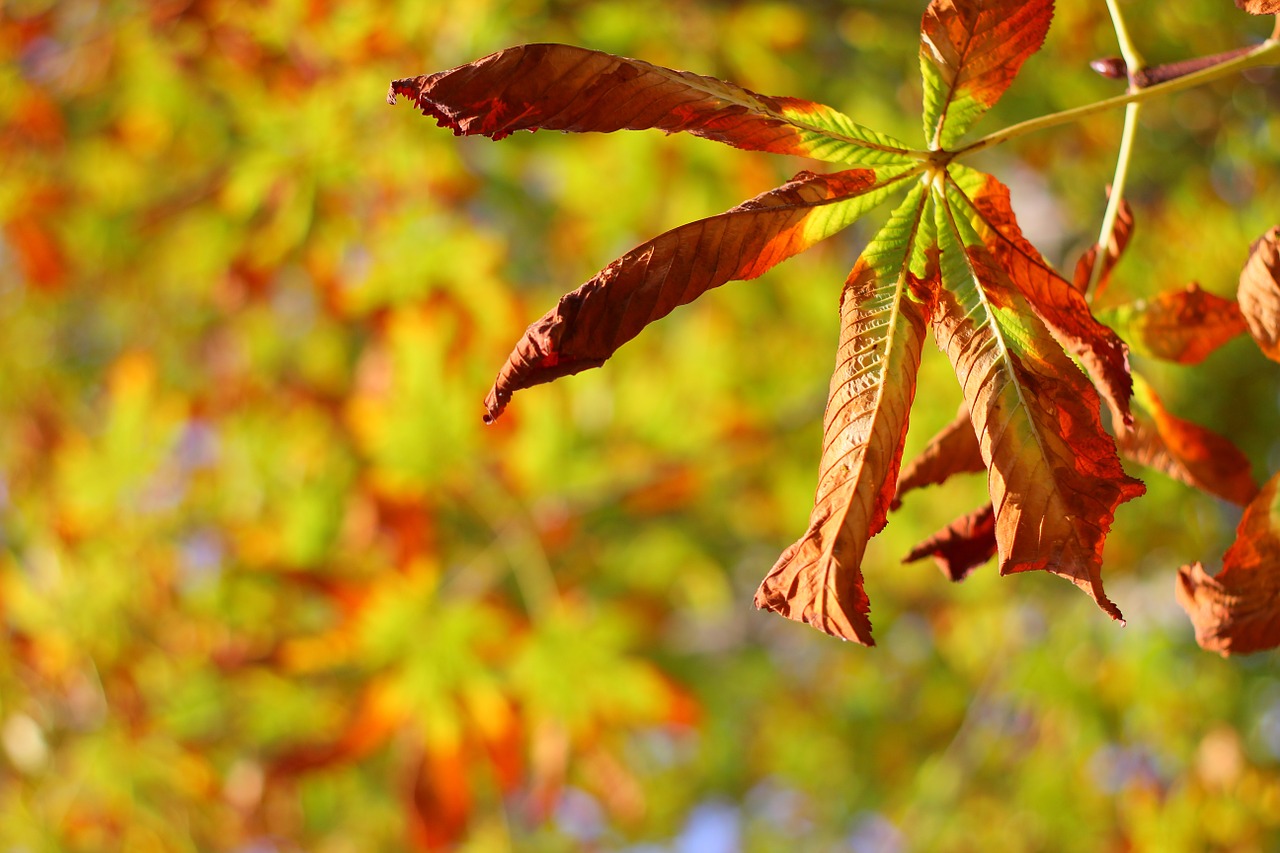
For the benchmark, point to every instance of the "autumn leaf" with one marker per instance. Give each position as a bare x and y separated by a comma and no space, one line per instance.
969,54
560,87
1054,476
1238,610
1058,304
954,450
1186,451
962,546
1259,293
1182,326
1259,7
589,324
818,579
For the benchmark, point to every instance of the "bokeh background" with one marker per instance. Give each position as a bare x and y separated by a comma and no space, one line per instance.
267,584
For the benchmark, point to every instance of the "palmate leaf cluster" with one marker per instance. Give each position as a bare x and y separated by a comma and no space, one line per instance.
951,258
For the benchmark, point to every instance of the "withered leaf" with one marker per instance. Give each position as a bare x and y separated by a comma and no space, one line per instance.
961,546
818,579
954,450
647,283
561,87
1259,292
1183,326
1238,610
1186,451
969,54
1059,305
1054,477
1259,7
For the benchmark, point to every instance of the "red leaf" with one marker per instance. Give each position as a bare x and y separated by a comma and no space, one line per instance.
954,450
1121,233
1259,293
1259,7
1061,306
1183,326
818,579
970,51
1186,451
961,546
647,283
560,87
1238,611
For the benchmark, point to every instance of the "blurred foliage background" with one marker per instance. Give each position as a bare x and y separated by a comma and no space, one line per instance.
267,583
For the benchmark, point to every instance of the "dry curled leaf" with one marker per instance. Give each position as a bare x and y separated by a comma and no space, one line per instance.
954,450
1182,326
1238,610
961,546
1121,233
1259,7
1259,293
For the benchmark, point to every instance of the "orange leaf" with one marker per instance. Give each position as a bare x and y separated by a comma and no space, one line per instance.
954,450
818,579
970,51
1186,451
1184,326
1238,611
560,87
1259,293
1055,479
647,283
1061,306
961,546
1259,7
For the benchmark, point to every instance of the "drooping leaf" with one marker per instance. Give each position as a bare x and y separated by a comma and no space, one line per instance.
1054,476
1186,451
1238,610
954,450
561,87
1259,292
647,283
1259,7
818,579
961,546
1058,304
970,51
1183,326
1121,233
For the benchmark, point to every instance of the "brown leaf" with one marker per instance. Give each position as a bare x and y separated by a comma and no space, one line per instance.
818,580
1121,233
1186,451
1183,326
647,283
954,450
1062,307
961,546
1259,292
560,87
1055,479
1238,611
970,51
1259,7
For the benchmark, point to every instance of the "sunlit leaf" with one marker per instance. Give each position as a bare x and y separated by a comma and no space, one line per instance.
970,51
1183,326
1260,293
647,283
561,87
818,579
1259,7
1237,611
1054,479
1121,233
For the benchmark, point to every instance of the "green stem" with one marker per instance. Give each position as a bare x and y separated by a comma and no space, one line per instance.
1106,237
1134,65
1267,53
